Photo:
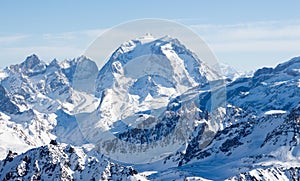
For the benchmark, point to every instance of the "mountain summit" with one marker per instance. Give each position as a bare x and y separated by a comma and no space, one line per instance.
136,86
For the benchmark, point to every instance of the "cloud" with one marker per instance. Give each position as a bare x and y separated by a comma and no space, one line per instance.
252,45
12,39
257,36
59,36
257,46
93,33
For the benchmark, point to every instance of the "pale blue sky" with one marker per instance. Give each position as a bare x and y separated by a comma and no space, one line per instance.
244,34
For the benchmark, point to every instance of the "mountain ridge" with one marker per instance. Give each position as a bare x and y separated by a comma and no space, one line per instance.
255,135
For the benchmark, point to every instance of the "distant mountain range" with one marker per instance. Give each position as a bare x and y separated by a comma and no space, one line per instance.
162,112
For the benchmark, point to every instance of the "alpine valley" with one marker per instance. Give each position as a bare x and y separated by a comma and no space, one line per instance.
184,122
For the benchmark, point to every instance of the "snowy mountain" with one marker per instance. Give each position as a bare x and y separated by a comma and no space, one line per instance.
154,111
228,71
141,78
259,134
231,73
63,162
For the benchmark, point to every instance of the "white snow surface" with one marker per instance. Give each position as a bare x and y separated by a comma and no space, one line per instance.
275,112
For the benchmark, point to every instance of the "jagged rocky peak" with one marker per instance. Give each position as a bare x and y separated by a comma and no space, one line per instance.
67,63
82,67
54,63
86,68
68,67
31,61
62,162
85,75
33,65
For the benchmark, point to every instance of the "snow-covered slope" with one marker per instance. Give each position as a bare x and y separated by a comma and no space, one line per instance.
259,131
148,90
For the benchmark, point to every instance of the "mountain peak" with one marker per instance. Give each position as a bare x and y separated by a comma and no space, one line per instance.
85,73
168,38
148,37
32,65
83,58
54,63
31,61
